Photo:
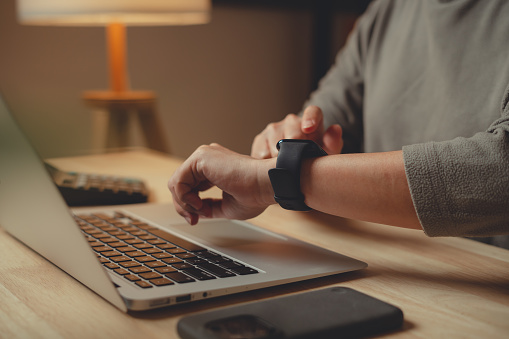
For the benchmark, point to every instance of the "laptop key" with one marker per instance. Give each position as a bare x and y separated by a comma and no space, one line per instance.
161,255
199,274
154,264
179,277
161,282
172,260
139,269
156,241
104,236
145,258
132,277
136,254
102,248
120,258
125,237
111,265
126,249
216,270
142,246
185,255
134,241
111,253
151,250
150,275
107,239
230,264
116,244
182,266
177,241
244,270
129,263
219,260
148,237
196,261
143,284
165,269
175,250
238,268
121,271
206,254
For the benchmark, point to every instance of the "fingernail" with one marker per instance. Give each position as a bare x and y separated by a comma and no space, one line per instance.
308,123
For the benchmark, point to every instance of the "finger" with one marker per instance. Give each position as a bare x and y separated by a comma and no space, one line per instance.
184,195
333,139
312,120
215,207
274,133
291,127
222,208
184,183
192,201
191,218
184,209
260,147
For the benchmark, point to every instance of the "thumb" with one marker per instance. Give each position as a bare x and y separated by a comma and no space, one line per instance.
312,120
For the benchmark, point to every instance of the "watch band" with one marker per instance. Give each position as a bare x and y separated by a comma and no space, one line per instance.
285,178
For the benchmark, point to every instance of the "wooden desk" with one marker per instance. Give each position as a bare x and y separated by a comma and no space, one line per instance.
447,288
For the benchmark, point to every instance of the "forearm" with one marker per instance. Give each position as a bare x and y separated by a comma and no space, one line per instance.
371,187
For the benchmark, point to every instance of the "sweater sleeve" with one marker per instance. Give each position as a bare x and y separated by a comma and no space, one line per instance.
461,187
341,91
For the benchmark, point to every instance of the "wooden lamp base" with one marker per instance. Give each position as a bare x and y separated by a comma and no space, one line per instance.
121,106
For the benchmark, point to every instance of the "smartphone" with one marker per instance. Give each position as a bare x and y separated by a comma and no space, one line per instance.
334,312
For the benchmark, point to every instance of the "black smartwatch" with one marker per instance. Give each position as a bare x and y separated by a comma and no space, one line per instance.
285,178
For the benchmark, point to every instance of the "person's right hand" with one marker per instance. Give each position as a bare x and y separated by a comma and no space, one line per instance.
310,126
246,186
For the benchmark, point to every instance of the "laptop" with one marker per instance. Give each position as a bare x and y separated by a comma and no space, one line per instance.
144,256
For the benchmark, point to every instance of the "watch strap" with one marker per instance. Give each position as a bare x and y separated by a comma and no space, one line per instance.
285,178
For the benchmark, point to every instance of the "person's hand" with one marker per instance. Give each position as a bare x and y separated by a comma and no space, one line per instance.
310,126
246,187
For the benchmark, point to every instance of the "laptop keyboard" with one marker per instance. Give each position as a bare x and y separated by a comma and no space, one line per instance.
149,257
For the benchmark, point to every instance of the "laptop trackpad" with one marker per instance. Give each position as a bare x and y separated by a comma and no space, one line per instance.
252,244
227,233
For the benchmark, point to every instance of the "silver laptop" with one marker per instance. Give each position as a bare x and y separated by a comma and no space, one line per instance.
141,257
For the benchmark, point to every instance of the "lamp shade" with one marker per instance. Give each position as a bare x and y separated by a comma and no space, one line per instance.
103,12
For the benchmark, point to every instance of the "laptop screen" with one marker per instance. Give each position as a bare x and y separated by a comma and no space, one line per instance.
33,211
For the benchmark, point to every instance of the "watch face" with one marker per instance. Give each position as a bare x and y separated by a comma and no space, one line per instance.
311,151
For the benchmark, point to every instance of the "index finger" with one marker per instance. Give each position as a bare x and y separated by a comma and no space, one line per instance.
183,185
312,120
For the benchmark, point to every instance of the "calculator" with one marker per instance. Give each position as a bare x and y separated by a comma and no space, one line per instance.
86,189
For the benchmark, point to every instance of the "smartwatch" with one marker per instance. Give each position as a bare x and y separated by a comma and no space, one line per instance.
285,178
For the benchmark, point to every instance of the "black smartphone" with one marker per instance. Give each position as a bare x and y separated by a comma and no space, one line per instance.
335,312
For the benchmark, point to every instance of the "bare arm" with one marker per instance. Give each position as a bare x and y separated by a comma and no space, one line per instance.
371,187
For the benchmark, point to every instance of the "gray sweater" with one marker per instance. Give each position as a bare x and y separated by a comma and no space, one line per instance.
431,77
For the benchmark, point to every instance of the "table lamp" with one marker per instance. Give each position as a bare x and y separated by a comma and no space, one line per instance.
115,15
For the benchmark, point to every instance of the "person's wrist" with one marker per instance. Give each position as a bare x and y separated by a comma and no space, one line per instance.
305,179
266,193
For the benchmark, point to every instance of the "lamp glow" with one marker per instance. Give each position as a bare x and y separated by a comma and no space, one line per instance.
115,15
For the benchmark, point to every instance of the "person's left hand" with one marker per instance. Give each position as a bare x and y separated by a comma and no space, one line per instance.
244,181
